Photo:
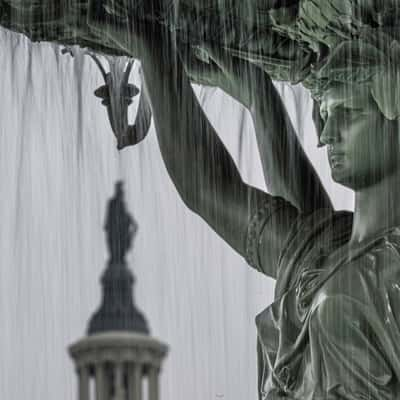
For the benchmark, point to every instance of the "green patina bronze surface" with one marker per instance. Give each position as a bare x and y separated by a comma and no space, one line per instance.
305,41
289,38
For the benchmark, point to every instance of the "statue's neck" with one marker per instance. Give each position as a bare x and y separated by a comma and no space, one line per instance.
376,208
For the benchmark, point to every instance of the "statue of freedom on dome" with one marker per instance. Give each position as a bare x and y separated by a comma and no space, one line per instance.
120,226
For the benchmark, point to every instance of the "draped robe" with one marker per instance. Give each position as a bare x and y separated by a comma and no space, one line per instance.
333,330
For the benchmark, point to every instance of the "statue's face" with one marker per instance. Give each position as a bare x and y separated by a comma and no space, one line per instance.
363,146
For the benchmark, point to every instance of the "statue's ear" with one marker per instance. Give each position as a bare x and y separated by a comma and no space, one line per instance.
318,121
102,92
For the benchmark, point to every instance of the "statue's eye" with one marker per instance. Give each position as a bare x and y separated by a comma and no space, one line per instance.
348,114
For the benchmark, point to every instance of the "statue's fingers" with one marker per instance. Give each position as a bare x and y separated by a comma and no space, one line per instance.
199,71
203,73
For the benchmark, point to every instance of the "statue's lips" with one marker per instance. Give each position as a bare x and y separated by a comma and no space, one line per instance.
336,158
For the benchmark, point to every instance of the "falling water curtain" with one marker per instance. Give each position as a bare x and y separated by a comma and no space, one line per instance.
58,165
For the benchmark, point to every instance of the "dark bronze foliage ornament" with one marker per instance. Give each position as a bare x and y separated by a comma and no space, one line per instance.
292,40
286,37
317,43
117,94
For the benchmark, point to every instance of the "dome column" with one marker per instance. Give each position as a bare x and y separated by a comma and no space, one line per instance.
119,381
153,383
135,381
83,378
100,382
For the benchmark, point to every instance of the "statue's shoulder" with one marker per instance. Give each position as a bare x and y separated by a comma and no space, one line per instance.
374,267
385,256
369,273
313,237
378,280
321,231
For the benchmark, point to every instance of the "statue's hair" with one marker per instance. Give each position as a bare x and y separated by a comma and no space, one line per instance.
372,61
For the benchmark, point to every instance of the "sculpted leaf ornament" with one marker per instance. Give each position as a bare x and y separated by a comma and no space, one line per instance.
117,94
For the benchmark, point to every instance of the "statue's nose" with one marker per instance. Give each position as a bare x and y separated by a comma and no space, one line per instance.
330,134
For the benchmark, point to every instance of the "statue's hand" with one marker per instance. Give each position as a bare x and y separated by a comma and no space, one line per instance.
206,73
231,74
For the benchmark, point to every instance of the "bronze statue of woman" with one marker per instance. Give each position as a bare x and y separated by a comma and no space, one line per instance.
333,331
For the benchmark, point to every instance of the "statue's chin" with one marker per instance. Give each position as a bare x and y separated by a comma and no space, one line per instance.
341,177
354,182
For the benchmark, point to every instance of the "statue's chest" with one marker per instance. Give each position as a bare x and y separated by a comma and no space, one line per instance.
308,283
284,328
320,275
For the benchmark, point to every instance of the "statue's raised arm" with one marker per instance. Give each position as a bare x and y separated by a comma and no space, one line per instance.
198,163
287,170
